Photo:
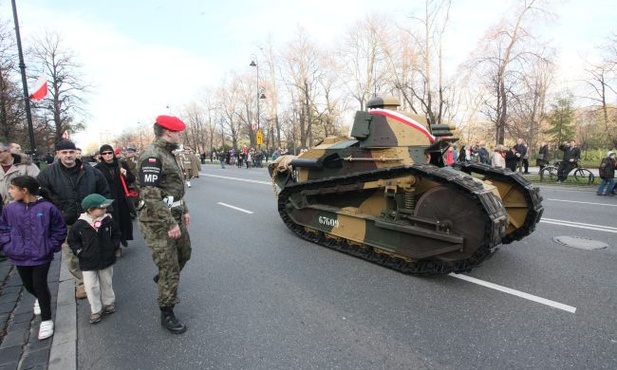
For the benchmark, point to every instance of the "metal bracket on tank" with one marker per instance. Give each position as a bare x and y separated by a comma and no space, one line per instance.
372,159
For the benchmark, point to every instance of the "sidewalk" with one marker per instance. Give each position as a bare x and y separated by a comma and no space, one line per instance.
20,347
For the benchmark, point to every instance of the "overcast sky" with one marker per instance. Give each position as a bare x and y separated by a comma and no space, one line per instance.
143,56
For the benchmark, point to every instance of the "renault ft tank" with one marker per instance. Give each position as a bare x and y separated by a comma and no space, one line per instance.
385,195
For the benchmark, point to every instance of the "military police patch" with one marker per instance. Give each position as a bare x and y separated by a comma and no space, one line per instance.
150,173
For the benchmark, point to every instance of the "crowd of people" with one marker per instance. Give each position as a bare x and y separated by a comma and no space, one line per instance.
85,210
516,158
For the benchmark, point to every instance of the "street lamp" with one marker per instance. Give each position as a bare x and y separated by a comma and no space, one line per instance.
260,95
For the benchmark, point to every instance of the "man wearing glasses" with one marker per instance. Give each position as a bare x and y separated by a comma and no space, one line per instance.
69,181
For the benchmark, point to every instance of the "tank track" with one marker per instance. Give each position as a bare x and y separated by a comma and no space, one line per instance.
531,193
495,213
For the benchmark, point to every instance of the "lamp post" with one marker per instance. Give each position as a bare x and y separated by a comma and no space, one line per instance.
260,95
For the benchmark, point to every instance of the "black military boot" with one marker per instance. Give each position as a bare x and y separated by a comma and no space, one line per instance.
170,322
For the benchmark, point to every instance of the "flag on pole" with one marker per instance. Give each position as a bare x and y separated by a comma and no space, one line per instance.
40,89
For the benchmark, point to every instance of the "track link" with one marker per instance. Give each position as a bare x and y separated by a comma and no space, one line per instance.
494,211
531,193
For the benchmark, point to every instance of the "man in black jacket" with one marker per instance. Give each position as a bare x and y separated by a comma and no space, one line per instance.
69,181
571,155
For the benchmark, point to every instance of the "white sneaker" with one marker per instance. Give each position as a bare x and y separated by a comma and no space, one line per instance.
188,183
46,329
37,308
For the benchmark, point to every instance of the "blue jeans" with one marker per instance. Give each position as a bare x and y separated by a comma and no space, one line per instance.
608,183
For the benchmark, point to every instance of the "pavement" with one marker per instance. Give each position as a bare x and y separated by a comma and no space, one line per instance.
20,347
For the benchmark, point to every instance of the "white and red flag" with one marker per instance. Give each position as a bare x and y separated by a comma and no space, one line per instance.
40,89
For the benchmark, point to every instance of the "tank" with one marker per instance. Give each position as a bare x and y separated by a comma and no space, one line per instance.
385,195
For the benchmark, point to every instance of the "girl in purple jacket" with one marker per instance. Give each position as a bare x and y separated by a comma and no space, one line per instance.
32,229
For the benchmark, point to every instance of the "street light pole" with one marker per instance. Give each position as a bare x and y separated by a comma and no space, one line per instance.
260,95
22,67
256,65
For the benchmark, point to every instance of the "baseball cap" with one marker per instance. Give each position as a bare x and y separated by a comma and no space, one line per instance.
95,201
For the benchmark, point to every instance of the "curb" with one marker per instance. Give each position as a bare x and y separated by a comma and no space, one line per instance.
63,353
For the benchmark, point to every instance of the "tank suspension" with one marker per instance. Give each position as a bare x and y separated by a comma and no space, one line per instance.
410,200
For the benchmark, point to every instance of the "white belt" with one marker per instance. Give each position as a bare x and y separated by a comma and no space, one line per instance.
177,204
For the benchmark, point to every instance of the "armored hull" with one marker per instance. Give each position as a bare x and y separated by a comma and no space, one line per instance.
384,195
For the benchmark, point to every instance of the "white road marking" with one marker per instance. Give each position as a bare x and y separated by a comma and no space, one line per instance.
580,225
517,293
236,208
580,202
239,179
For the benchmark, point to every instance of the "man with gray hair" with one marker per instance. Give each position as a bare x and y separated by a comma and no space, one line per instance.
15,148
13,165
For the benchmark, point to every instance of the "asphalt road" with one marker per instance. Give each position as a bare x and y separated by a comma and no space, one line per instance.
256,297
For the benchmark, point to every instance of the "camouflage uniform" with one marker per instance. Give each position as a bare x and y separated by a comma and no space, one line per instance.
160,176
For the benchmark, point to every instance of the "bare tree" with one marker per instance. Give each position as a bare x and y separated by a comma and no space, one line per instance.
508,54
231,99
602,82
428,87
303,71
67,91
362,55
528,106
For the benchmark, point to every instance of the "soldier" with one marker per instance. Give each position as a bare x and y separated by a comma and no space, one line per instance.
164,218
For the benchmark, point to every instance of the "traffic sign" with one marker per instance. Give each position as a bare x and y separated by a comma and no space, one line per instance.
260,137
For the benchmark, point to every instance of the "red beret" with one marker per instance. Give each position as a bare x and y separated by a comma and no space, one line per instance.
171,123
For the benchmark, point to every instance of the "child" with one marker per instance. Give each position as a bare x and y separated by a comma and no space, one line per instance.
94,239
32,229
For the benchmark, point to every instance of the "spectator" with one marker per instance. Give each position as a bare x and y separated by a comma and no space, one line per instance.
93,239
32,229
69,181
15,148
450,156
112,169
483,155
13,165
463,155
526,160
543,156
498,160
521,152
222,158
571,155
607,174
512,159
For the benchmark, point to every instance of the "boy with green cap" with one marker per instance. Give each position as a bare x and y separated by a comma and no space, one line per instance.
94,239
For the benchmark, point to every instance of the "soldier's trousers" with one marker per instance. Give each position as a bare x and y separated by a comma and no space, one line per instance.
169,255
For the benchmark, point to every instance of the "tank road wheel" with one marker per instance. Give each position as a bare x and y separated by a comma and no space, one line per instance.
460,213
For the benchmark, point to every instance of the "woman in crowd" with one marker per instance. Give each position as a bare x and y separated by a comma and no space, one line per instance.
113,168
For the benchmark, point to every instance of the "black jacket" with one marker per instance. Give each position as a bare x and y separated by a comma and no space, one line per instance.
607,168
96,250
570,152
68,191
121,211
